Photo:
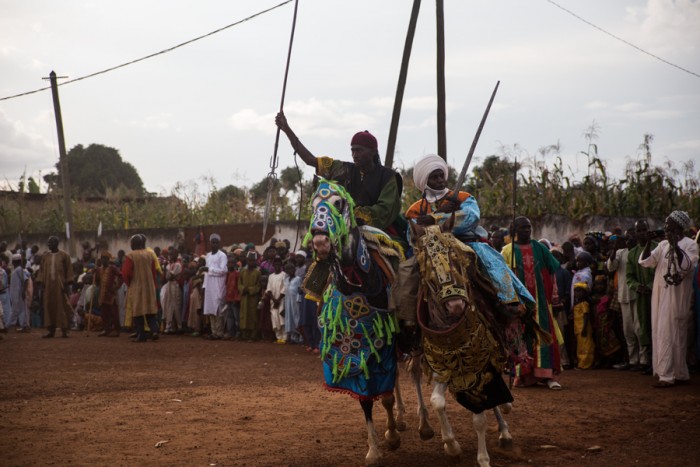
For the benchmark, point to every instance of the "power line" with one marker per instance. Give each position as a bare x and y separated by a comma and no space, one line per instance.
151,55
622,40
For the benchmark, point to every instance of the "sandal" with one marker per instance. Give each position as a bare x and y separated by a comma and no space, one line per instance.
551,384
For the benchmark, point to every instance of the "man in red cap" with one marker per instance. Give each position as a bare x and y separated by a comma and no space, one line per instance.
375,189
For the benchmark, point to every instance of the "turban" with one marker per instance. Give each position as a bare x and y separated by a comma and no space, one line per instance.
681,218
365,139
422,170
214,236
301,253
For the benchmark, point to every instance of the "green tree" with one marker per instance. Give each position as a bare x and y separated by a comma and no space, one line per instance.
95,169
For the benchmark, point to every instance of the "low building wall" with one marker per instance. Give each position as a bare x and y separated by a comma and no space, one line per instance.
556,229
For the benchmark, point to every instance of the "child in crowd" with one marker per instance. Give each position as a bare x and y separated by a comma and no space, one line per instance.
275,290
585,344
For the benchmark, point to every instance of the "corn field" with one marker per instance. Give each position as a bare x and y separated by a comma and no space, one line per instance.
543,187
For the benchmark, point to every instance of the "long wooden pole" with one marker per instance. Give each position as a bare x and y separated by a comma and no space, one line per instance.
441,113
401,86
64,166
272,176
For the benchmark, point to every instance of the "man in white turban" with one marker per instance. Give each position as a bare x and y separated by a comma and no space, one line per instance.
436,205
674,259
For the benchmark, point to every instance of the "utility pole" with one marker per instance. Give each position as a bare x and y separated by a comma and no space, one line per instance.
398,100
64,165
441,112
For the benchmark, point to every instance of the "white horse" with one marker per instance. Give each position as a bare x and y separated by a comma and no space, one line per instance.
462,348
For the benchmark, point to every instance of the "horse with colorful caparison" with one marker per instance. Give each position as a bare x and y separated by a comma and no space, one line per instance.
468,336
351,277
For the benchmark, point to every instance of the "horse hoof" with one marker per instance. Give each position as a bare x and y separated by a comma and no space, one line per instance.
373,462
427,434
401,426
505,443
506,408
393,439
453,451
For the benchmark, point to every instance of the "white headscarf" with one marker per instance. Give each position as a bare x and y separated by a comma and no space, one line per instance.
422,170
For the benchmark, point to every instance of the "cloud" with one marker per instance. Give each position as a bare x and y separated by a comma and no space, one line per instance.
326,118
667,25
22,150
596,105
628,107
159,121
689,144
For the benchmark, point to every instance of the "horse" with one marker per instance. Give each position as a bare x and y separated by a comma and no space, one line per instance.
352,275
468,337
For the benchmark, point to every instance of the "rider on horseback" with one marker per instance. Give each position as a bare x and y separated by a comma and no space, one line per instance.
375,189
437,204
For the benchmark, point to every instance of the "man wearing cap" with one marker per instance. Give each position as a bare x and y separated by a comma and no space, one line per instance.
214,287
139,272
249,289
375,189
55,277
674,259
108,277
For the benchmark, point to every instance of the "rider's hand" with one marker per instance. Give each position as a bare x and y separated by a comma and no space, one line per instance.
425,220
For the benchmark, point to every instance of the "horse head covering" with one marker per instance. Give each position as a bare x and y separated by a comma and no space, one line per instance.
422,170
681,218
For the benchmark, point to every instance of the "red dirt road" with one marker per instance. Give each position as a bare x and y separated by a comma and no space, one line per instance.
105,401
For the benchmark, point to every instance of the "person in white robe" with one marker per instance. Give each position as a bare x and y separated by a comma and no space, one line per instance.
674,259
214,286
276,290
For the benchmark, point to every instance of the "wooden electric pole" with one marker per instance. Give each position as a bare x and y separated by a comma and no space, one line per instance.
398,100
64,166
441,113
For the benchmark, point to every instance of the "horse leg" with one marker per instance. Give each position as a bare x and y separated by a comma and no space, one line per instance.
374,456
505,440
482,455
399,406
424,429
391,435
437,400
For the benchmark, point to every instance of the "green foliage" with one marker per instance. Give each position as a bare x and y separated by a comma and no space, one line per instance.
645,190
95,169
544,186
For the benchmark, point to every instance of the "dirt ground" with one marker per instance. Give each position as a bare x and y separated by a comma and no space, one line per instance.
106,401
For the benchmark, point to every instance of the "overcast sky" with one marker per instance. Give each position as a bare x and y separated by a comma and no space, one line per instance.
207,109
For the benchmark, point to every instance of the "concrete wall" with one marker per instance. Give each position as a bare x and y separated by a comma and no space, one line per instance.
555,228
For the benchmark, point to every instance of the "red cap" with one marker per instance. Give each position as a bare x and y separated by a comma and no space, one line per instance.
364,138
